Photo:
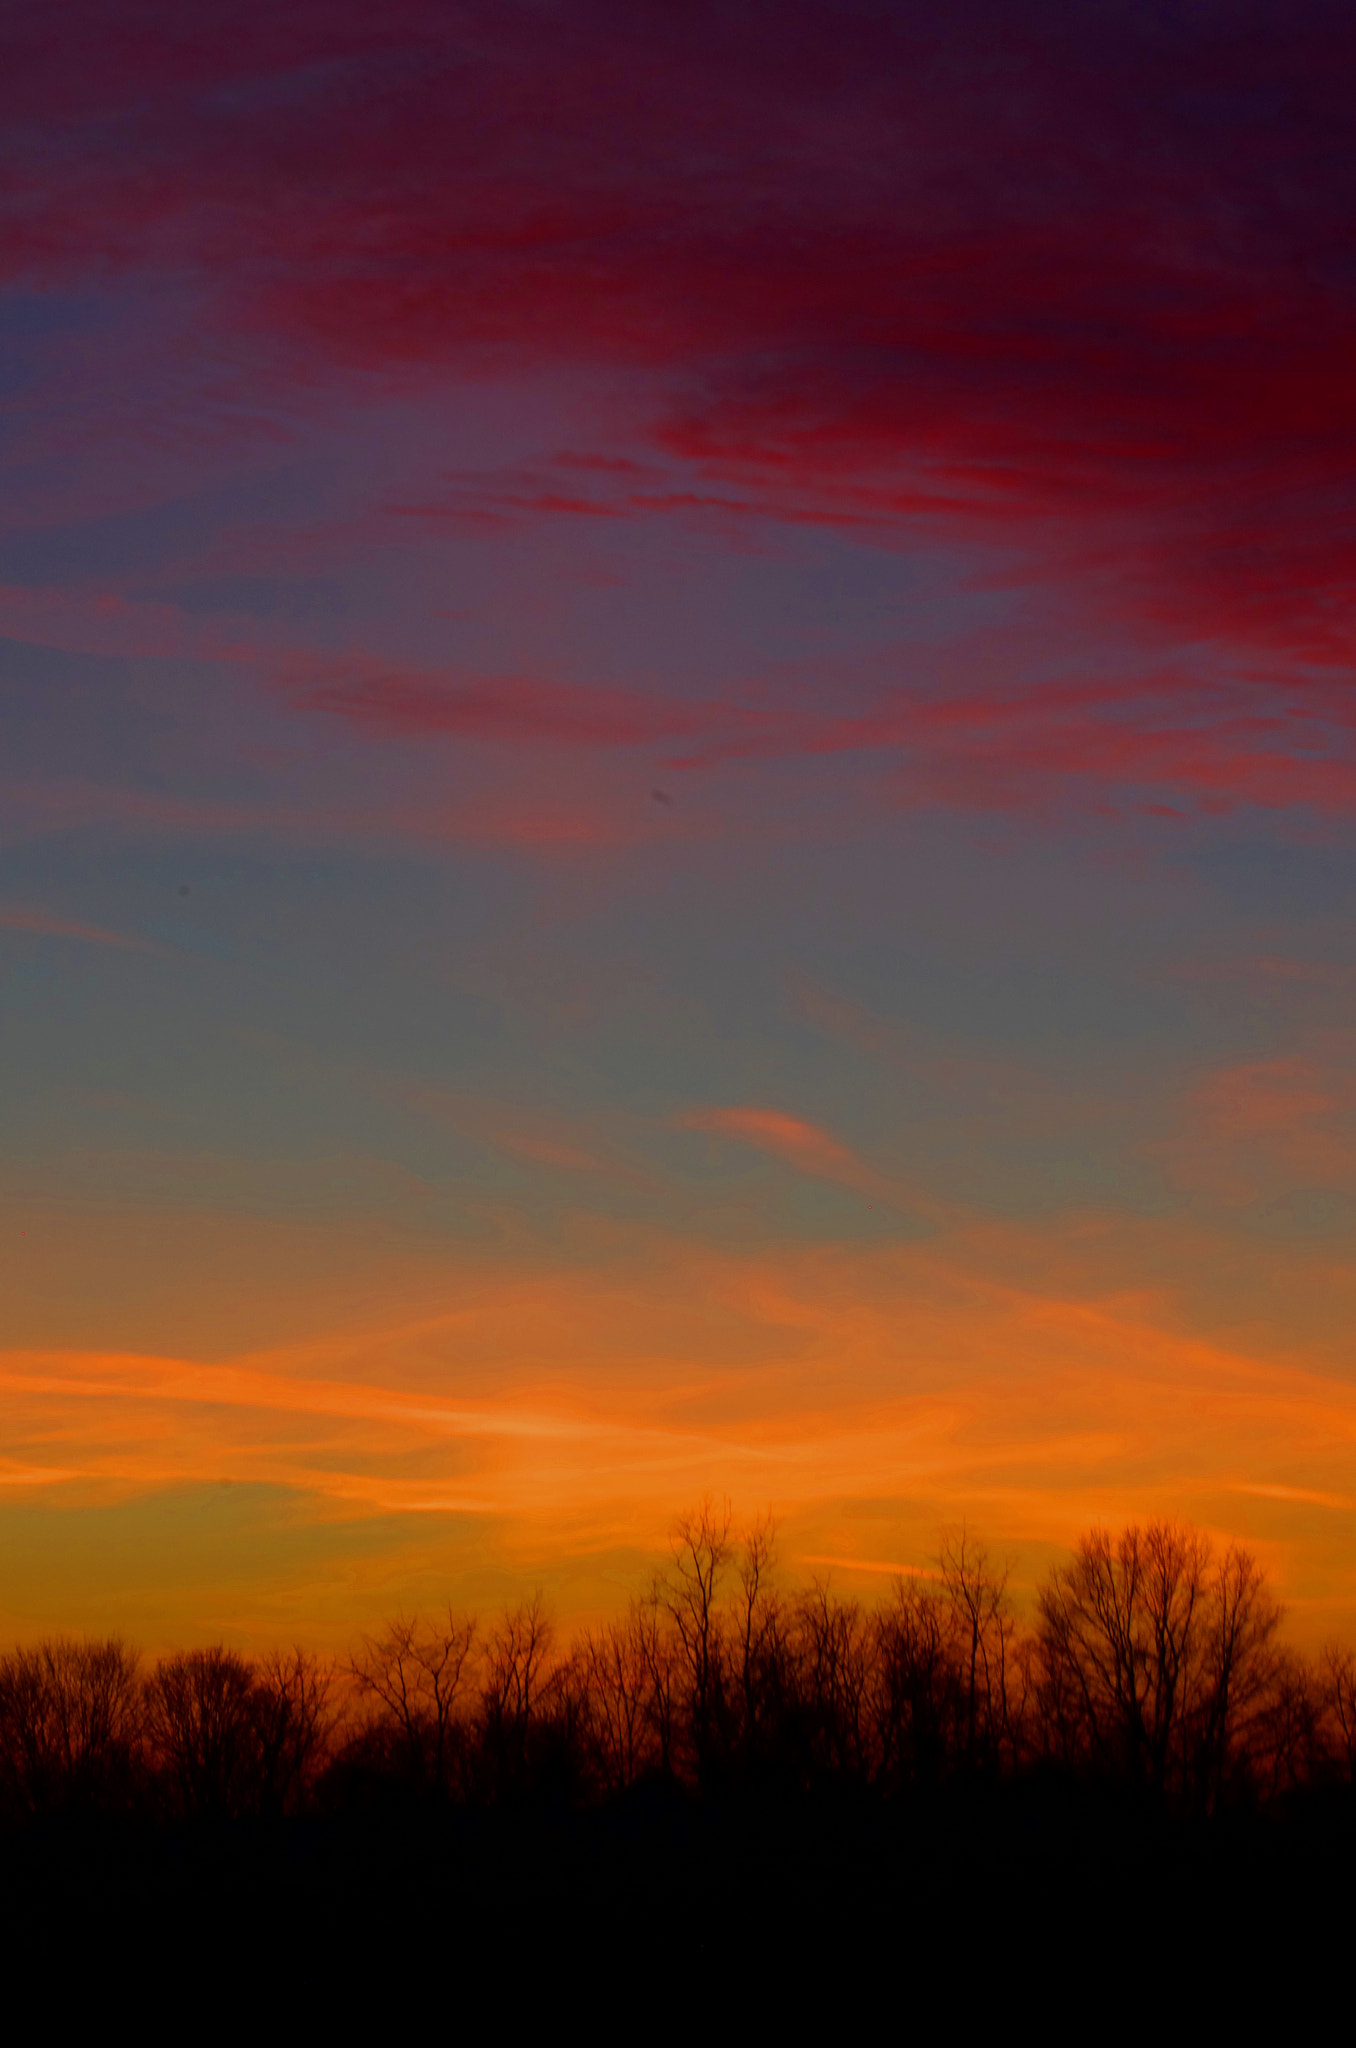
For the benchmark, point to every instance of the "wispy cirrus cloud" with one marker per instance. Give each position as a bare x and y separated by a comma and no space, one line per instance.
407,701
1282,1126
948,1392
806,1146
45,924
1167,743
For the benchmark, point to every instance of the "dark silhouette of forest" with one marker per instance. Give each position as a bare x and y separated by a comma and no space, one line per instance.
758,1743
1151,1663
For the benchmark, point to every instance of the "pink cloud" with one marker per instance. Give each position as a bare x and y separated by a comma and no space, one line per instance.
42,924
1281,1124
404,701
805,1146
1163,735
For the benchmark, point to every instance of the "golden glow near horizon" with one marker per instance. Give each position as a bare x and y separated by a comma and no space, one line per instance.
868,1398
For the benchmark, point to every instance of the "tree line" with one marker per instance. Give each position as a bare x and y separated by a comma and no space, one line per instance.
1151,1661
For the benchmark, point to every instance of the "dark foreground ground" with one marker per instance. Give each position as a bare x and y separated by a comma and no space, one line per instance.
1075,1911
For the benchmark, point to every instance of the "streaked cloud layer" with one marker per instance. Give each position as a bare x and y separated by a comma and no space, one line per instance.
870,1398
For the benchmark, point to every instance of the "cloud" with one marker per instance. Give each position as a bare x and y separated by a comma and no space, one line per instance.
1284,1123
1162,734
408,702
102,621
866,1398
42,924
1086,298
800,1144
1081,308
537,1136
516,819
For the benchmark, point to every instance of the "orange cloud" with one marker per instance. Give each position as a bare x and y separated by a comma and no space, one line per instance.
801,1144
542,1138
866,1397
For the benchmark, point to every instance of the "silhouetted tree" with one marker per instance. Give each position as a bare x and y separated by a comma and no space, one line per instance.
1337,1683
760,1643
1157,1660
1239,1672
656,1644
1287,1749
201,1724
1153,1659
913,1686
1116,1632
414,1678
515,1676
70,1725
627,1724
292,1708
700,1548
832,1648
982,1629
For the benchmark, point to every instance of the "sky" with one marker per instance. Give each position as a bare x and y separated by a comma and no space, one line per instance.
677,766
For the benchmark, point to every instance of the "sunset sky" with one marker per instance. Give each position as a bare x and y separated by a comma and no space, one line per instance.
677,795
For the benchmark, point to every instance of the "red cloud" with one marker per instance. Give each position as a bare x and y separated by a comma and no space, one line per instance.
1071,283
513,708
1204,744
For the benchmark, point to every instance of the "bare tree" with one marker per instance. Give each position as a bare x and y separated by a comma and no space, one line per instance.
833,1658
758,1629
1239,1672
70,1723
1287,1745
414,1675
700,1550
292,1706
1117,1632
515,1660
913,1685
517,1663
1338,1694
1157,1659
656,1643
982,1628
200,1718
1153,1658
626,1730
